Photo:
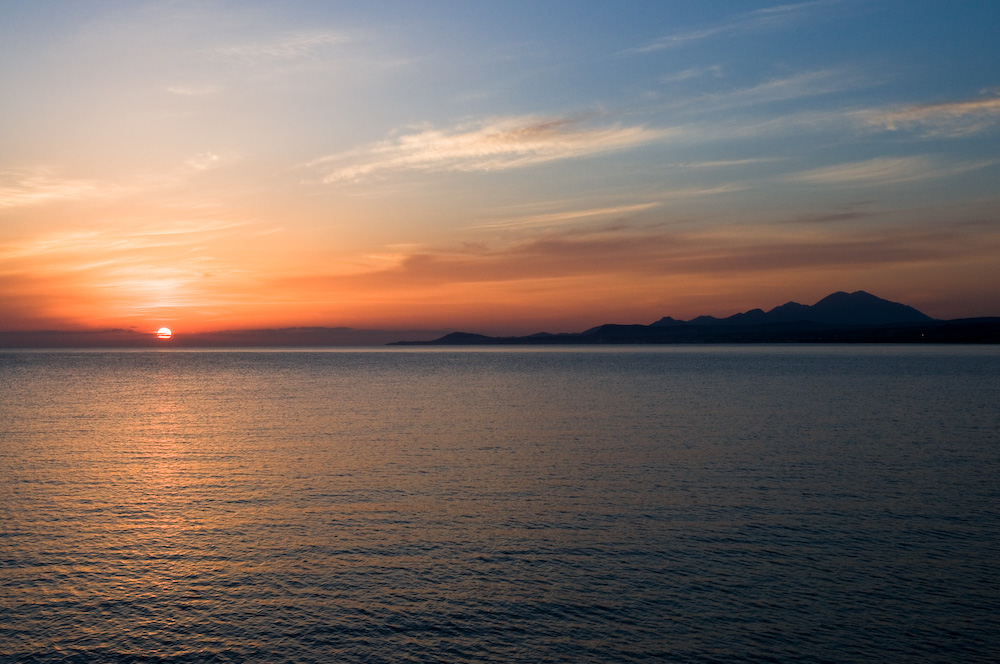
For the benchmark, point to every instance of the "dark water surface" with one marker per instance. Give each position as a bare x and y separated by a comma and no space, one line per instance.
760,504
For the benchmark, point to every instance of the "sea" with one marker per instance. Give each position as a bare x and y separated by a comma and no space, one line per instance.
560,504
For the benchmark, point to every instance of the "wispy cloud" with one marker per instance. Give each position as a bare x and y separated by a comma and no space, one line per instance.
726,163
105,242
790,87
784,88
887,170
492,145
696,192
203,161
31,187
692,73
829,217
957,118
288,47
768,18
654,253
569,216
880,171
36,186
566,217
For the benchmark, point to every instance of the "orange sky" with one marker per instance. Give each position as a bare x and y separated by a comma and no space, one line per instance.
244,165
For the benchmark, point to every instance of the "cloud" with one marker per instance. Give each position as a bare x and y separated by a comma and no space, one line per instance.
695,192
91,243
768,18
493,145
797,86
203,161
289,47
31,187
37,186
725,163
655,254
694,72
699,108
876,171
886,170
113,273
570,216
949,119
830,217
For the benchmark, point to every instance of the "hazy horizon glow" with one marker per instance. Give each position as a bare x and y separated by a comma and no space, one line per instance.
499,168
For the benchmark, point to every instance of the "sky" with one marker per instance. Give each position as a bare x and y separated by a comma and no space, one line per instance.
493,167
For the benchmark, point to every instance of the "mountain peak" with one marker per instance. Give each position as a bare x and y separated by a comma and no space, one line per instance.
862,308
839,308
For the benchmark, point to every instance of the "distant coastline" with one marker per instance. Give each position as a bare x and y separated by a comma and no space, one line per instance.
857,317
288,337
961,331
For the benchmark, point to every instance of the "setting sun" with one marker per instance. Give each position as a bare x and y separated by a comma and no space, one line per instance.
164,333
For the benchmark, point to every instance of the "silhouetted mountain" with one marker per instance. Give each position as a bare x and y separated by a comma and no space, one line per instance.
462,338
847,309
838,318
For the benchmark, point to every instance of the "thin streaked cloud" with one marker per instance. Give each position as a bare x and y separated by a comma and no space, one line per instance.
695,192
768,18
957,118
726,163
624,250
493,145
784,88
829,217
569,216
887,170
20,188
691,73
23,187
108,241
284,48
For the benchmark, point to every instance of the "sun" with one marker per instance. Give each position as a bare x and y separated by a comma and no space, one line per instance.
164,333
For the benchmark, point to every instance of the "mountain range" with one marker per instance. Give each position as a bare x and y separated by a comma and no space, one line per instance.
857,317
841,317
855,309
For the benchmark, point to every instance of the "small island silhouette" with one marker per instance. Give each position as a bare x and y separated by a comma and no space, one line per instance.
857,317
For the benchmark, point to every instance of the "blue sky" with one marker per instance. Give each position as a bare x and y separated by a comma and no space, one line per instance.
497,167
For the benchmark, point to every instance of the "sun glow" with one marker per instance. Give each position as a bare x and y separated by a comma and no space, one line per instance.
164,333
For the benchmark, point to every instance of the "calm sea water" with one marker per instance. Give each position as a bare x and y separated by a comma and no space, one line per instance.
756,504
